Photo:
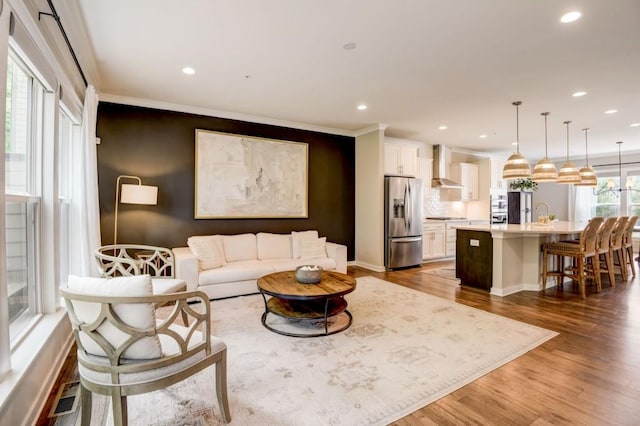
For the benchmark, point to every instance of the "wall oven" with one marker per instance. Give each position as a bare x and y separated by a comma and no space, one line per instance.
499,207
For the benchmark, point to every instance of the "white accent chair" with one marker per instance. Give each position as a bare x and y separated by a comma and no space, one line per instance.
124,260
123,350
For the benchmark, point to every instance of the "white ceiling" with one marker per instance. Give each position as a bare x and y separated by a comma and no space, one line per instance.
418,64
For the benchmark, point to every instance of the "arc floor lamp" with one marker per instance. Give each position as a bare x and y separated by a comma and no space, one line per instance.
133,194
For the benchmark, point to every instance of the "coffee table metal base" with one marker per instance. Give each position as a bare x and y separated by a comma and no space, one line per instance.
307,311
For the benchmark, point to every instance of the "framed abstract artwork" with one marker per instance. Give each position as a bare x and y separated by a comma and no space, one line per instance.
239,176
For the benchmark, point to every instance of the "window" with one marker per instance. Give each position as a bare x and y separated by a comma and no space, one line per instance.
606,203
68,132
633,201
24,117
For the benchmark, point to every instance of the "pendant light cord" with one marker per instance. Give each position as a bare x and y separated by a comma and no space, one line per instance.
517,104
567,123
546,154
586,146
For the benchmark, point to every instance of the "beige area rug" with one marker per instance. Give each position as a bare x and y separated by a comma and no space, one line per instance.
446,273
404,350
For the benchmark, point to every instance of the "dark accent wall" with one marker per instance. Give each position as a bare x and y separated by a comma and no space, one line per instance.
159,147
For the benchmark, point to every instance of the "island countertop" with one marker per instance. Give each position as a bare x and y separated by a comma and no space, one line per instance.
556,227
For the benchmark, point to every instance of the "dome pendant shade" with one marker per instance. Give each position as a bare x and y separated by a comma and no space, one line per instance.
545,171
587,174
587,177
569,173
516,167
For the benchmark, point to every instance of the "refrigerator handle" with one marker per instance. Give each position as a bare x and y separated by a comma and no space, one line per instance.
409,208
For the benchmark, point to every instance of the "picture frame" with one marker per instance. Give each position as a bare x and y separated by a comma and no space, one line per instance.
239,176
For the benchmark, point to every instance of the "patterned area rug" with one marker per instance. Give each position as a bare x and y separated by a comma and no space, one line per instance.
446,273
404,350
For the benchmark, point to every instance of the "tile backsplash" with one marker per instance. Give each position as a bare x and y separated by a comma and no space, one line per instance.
434,206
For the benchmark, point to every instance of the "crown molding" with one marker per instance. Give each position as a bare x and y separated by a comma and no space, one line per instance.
369,129
150,103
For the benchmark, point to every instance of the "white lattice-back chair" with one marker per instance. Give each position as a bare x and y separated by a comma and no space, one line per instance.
123,350
123,260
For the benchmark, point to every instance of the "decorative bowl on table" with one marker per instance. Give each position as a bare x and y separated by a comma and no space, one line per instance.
308,274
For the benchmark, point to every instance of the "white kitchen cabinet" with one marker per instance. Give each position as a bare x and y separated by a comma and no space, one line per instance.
466,174
433,240
496,174
400,159
425,172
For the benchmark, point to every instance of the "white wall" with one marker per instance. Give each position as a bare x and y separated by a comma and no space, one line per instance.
369,200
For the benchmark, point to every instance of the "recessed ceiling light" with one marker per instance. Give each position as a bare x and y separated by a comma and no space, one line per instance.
570,17
483,136
578,94
188,70
635,125
362,107
442,128
611,111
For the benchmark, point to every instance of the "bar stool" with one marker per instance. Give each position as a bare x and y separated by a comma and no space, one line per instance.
583,252
617,245
627,243
603,248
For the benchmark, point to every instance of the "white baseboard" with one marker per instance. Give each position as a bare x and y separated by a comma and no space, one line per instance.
374,268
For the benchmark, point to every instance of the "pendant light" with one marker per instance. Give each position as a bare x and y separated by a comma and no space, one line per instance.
516,167
568,172
587,174
545,170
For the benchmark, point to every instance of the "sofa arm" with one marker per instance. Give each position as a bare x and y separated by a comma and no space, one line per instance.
186,267
338,252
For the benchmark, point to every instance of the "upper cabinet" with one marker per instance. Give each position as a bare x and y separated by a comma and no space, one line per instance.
425,172
496,174
400,159
467,175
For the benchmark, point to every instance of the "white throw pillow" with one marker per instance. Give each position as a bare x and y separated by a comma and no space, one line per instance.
295,241
313,248
240,247
208,250
273,246
140,315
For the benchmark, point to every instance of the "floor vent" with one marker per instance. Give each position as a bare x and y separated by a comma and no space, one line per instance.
67,399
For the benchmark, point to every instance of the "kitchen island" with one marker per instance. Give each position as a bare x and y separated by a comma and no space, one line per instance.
513,252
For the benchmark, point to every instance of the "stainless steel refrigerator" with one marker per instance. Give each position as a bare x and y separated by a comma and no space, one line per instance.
402,221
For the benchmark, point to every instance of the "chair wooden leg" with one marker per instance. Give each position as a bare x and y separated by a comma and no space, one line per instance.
610,268
581,278
623,264
119,403
545,257
85,406
595,263
221,387
630,259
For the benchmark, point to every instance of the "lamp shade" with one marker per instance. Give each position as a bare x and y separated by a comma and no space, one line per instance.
568,173
545,171
139,194
587,177
516,167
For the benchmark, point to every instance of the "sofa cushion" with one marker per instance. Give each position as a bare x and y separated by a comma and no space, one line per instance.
296,236
236,271
313,248
280,265
239,247
139,315
208,250
273,246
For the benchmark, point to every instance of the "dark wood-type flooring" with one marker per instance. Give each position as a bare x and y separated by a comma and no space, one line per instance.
589,374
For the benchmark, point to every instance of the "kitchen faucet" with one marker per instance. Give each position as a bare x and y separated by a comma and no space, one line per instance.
543,219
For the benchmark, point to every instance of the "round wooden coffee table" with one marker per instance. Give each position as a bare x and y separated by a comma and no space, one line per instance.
293,300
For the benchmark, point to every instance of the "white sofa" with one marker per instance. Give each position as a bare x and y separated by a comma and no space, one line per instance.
230,265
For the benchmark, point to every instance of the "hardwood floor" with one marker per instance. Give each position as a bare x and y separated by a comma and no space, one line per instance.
589,374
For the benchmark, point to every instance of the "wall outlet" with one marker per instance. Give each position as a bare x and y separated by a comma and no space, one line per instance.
474,243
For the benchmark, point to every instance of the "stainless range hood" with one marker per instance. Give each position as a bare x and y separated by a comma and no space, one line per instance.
440,170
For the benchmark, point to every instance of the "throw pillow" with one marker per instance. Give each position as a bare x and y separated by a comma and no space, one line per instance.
208,250
140,315
313,248
295,241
